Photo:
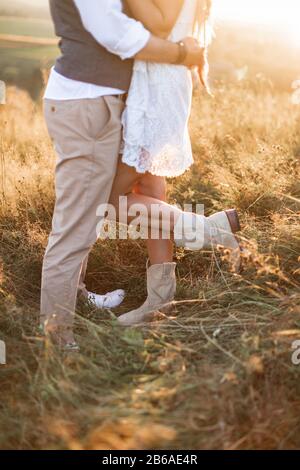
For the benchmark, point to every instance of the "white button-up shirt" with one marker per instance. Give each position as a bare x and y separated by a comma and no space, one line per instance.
119,34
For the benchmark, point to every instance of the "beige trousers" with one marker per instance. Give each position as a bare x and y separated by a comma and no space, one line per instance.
87,136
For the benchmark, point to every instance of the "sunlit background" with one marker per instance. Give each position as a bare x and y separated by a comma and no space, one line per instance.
281,15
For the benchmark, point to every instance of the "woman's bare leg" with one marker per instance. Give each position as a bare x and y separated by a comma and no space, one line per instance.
191,230
160,251
125,181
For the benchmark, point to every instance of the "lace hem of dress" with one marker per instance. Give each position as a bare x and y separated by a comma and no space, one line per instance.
142,164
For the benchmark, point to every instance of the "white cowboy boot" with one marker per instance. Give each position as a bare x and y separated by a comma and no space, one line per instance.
225,225
196,232
161,288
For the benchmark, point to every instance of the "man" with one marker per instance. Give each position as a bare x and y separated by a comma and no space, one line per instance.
83,108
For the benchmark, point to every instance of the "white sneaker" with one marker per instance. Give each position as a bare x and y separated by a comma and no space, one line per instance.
107,301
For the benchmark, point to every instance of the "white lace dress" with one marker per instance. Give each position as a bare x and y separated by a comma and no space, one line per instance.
155,120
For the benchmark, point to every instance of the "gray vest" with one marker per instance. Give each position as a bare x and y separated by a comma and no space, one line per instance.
82,58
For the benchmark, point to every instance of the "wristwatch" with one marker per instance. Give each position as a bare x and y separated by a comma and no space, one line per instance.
182,53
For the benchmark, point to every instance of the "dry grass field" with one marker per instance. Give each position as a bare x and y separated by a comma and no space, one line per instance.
216,374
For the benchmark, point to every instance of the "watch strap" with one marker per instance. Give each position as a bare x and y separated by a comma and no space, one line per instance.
182,53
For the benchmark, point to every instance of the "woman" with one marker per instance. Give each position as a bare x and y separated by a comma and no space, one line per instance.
156,137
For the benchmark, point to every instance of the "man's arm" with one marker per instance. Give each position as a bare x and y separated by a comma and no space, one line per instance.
114,30
166,52
128,38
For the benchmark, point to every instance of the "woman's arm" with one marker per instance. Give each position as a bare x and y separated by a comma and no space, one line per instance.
158,16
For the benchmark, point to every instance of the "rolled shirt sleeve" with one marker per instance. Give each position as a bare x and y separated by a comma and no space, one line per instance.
113,29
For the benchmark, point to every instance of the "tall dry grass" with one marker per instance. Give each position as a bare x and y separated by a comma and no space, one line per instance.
217,373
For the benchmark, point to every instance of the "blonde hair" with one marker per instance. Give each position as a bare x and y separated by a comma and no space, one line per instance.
204,32
202,26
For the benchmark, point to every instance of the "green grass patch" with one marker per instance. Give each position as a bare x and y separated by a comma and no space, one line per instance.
26,27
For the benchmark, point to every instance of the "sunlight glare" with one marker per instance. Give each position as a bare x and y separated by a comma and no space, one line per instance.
282,15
